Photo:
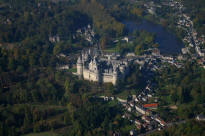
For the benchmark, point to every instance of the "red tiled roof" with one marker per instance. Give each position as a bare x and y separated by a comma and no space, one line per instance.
151,105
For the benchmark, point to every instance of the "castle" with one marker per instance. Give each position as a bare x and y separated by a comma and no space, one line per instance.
92,65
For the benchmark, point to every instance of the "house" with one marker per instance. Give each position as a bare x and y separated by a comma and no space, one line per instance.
151,106
116,134
134,96
160,121
148,112
136,100
137,122
125,39
55,38
155,52
185,50
200,117
140,109
146,119
121,100
150,127
144,99
198,50
151,10
65,67
129,109
148,88
139,126
145,125
132,104
133,133
126,115
130,54
112,98
149,95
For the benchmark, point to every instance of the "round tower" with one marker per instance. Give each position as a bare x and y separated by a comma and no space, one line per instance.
80,67
115,76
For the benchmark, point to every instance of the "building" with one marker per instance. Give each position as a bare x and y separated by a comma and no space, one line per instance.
185,50
160,121
198,50
140,109
54,39
133,133
156,52
137,122
200,117
151,106
94,66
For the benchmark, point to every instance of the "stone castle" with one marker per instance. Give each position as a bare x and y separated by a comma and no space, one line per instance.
94,66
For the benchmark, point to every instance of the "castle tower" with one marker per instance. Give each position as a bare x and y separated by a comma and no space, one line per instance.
96,69
115,76
80,67
97,75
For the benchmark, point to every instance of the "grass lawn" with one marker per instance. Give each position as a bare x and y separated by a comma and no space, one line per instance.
124,94
42,134
113,103
127,128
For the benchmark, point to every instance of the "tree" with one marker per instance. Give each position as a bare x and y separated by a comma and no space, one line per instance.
103,42
11,64
67,85
71,110
20,69
32,61
138,49
58,48
174,97
156,45
67,119
137,12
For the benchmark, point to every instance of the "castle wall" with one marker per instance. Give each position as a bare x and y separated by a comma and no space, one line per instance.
91,76
107,78
86,74
79,69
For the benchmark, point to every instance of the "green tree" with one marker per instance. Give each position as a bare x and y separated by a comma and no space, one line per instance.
32,61
58,48
103,42
11,64
67,86
138,49
137,11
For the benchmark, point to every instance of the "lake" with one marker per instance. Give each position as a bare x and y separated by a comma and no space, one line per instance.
169,43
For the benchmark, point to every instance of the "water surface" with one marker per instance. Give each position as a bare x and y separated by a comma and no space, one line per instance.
169,43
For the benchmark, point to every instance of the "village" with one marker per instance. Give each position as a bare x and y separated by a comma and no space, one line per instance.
139,111
192,40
